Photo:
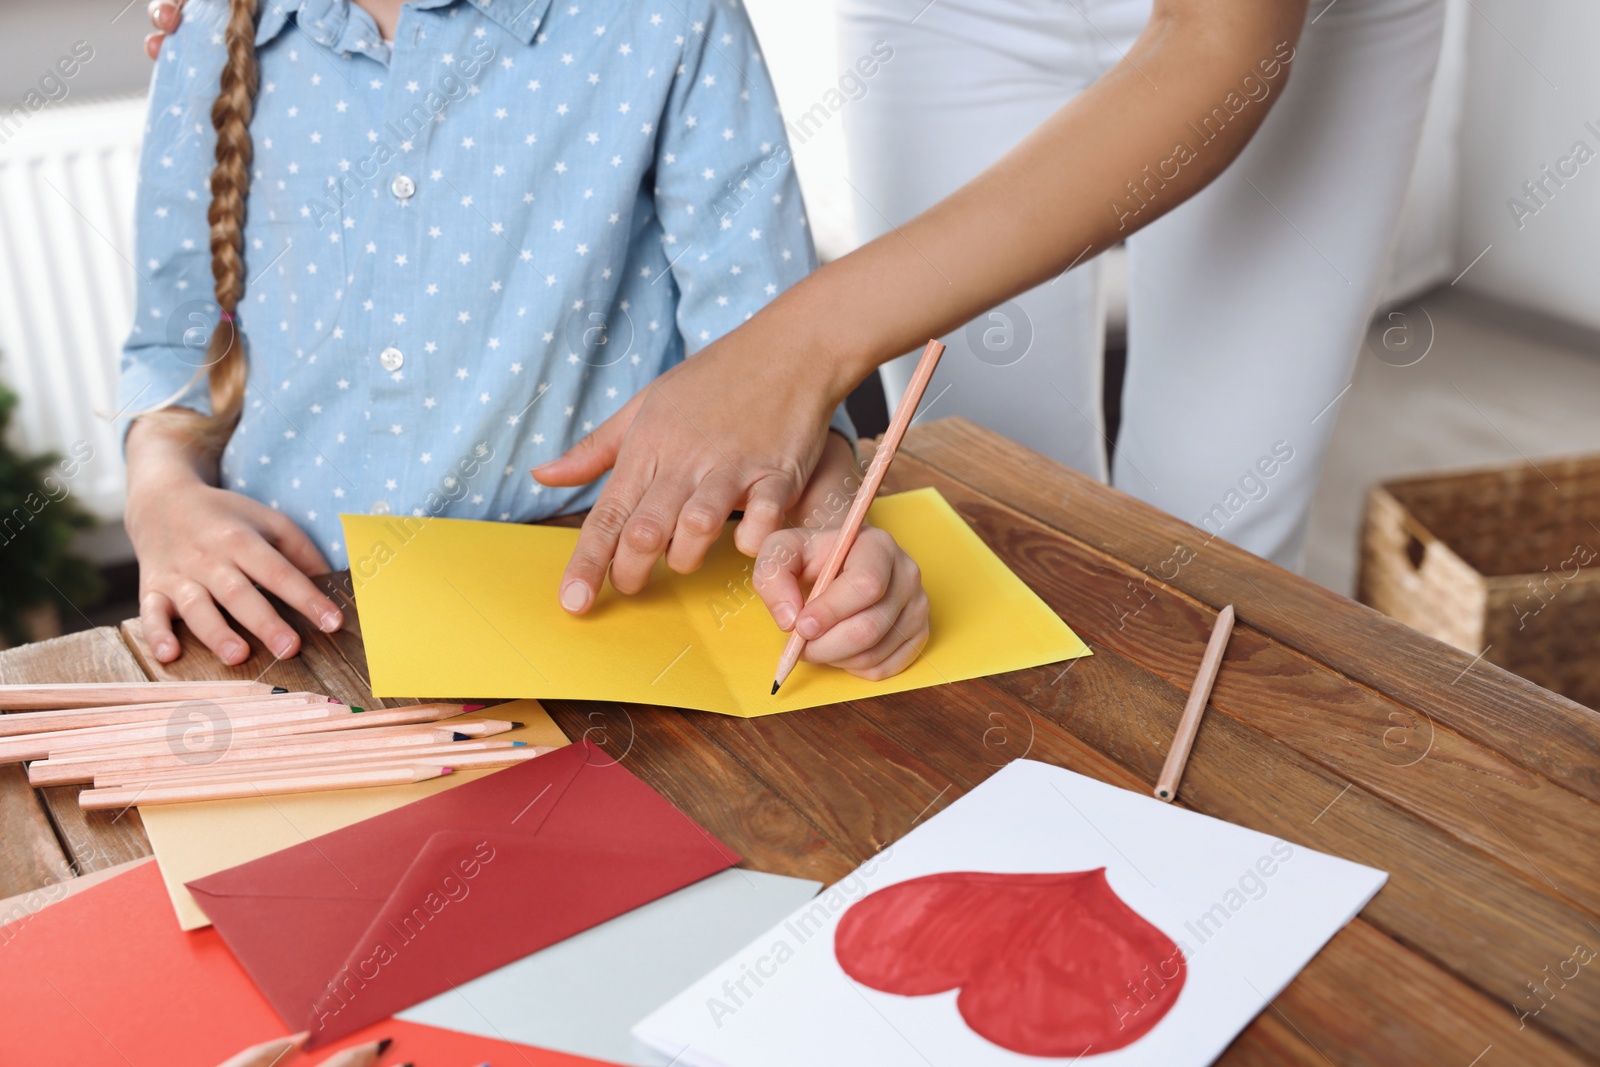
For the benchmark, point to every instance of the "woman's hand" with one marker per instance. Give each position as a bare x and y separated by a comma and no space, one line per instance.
165,15
872,620
717,433
201,548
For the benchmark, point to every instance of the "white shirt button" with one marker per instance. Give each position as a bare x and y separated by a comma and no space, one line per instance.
403,187
392,359
380,507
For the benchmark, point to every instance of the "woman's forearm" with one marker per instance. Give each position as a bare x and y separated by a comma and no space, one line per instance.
1122,153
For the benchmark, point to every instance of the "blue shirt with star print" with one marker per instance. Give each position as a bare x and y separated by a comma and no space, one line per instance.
465,247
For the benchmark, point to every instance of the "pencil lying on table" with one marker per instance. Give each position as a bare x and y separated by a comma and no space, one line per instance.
267,737
378,723
857,514
165,738
470,761
39,745
98,694
1189,721
100,799
457,754
27,722
76,768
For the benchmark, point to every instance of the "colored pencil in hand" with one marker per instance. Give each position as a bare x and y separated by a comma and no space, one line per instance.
858,508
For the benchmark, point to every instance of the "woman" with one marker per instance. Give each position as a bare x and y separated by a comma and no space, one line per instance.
1247,303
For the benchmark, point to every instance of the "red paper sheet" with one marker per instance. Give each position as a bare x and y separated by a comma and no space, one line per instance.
106,979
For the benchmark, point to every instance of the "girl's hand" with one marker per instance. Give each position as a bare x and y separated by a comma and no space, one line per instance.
165,15
872,620
200,547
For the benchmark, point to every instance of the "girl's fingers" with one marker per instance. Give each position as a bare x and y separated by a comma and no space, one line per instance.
284,580
164,15
775,575
851,640
235,591
155,616
901,656
285,535
700,520
152,44
194,603
862,582
280,563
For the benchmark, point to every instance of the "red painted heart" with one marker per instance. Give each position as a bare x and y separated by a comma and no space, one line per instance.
1047,964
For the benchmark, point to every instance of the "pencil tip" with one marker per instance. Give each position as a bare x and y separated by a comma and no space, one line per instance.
383,1046
356,709
278,689
468,709
447,770
519,744
518,725
774,688
457,735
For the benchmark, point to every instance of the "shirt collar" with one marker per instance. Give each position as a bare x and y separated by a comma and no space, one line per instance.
328,22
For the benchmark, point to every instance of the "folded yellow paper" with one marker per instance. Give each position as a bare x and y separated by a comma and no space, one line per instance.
193,840
462,607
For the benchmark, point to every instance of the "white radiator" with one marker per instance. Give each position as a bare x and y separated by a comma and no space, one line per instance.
67,176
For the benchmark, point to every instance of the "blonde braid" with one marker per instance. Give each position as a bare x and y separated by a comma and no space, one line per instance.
226,363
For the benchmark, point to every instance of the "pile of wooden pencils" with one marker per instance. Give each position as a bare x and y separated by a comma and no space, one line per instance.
177,742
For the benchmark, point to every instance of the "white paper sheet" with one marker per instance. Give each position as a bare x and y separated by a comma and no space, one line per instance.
581,995
1247,912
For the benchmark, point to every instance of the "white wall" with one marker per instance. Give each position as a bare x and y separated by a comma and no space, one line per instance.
1532,84
34,33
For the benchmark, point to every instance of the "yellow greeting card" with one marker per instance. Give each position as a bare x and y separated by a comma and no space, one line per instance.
468,609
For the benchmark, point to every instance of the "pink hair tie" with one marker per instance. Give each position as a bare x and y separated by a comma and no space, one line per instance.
227,316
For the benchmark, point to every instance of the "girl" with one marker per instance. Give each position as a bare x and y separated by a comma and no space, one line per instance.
446,240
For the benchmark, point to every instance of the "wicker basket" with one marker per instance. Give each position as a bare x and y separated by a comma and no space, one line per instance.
1504,561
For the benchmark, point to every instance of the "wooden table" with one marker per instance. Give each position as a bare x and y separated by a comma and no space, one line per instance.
1331,726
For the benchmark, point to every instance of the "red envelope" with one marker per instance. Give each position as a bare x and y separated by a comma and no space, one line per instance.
355,925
